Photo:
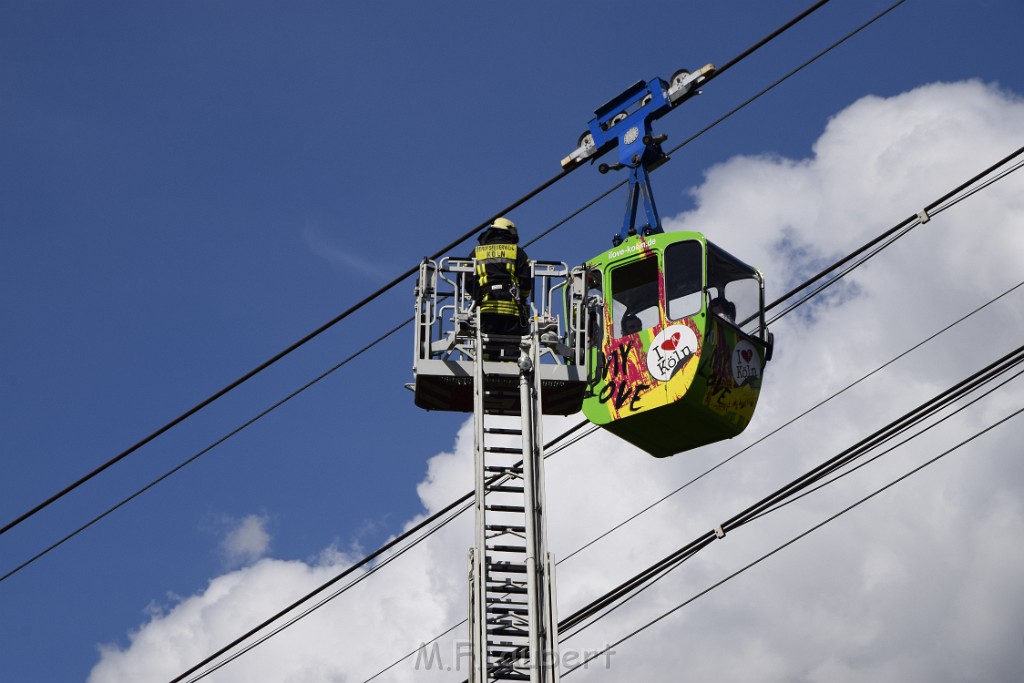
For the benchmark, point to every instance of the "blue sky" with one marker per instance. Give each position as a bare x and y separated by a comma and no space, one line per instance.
188,188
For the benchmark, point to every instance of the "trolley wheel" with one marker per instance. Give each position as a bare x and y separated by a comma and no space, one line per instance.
678,78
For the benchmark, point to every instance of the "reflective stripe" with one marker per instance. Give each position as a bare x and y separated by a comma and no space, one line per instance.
497,262
500,307
495,251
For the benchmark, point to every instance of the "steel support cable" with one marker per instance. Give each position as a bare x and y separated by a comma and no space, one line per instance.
707,538
884,240
873,458
358,305
796,538
637,583
770,37
323,601
748,447
467,505
789,422
750,100
881,239
901,227
357,565
199,454
903,424
996,368
782,79
866,252
631,588
894,234
275,358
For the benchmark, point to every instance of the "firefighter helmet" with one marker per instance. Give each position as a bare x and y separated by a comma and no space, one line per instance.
506,225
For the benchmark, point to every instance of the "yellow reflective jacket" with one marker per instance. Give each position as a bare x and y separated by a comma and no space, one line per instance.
502,284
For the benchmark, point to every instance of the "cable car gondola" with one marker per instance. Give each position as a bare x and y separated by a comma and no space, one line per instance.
675,332
677,342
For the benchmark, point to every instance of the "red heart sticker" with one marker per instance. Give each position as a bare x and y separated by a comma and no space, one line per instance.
672,342
747,354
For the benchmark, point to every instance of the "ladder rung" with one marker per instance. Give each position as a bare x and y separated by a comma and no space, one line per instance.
506,568
505,604
503,449
503,430
497,469
507,548
506,508
505,528
515,607
521,651
508,676
506,588
504,488
508,610
508,631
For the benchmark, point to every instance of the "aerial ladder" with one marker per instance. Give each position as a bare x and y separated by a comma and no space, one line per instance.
512,615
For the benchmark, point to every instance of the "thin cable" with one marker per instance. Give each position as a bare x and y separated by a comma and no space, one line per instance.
200,453
797,538
791,421
360,304
770,37
306,612
895,234
580,425
924,410
888,450
725,116
372,556
748,447
910,221
278,356
674,559
631,588
782,79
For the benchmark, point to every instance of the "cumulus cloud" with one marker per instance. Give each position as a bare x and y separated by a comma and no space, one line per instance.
247,541
923,582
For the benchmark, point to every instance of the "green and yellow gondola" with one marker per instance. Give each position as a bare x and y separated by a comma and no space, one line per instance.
677,342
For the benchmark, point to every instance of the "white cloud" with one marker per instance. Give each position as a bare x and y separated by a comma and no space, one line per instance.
247,541
924,582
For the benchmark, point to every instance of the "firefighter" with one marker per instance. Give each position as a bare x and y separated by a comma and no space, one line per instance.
501,286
